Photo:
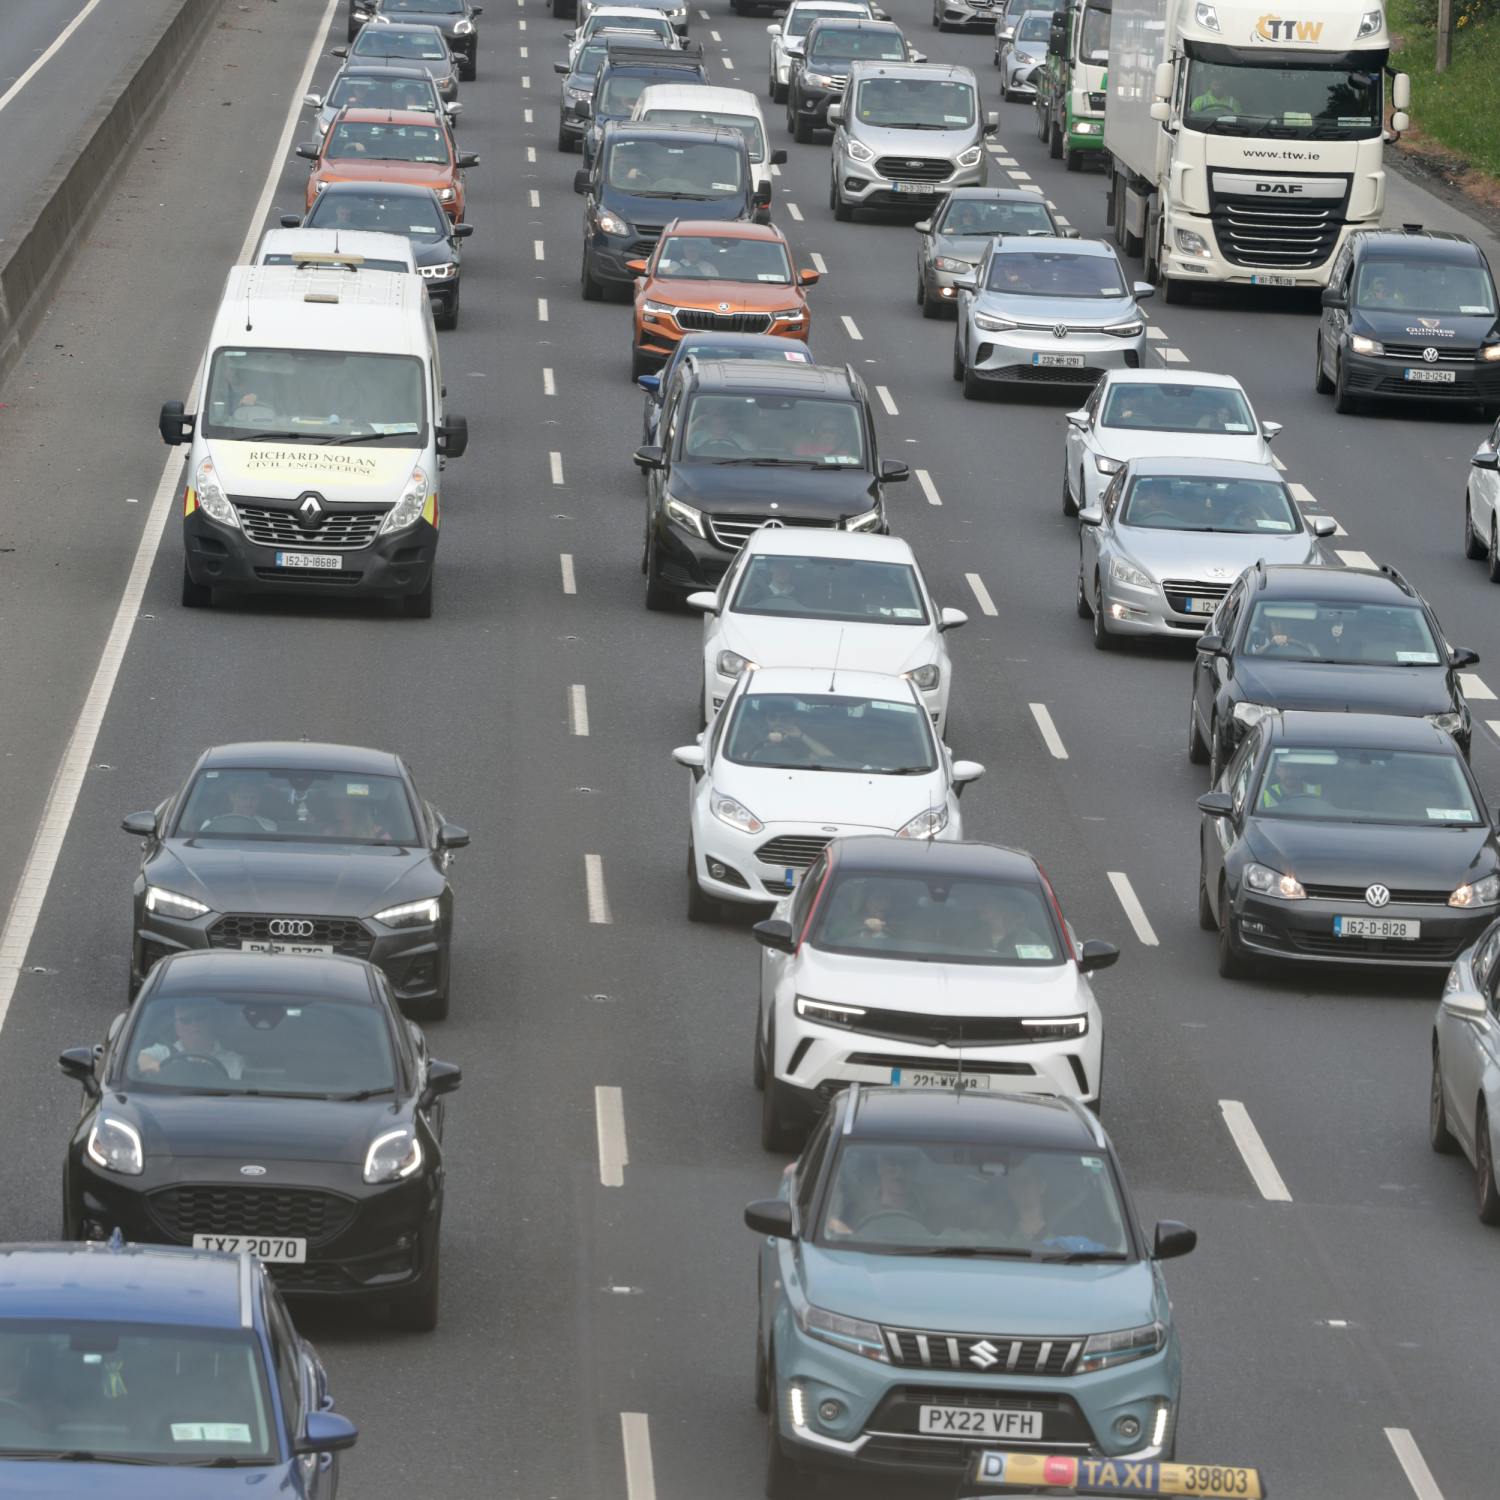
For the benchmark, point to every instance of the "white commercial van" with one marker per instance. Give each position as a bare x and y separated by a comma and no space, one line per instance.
357,249
316,447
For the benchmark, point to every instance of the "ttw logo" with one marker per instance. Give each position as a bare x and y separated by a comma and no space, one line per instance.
1273,28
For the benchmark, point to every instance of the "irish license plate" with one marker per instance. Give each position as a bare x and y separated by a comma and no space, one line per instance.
981,1421
273,1248
1063,361
914,187
1432,377
937,1078
329,560
1200,606
1376,927
1273,281
297,950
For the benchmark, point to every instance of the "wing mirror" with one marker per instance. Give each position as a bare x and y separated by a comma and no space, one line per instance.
1079,419
1216,804
1323,525
1143,290
468,158
313,101
951,619
965,771
923,226
651,383
581,180
778,157
174,426
1486,458
650,457
461,231
442,1078
1464,1004
691,756
1333,298
561,67
1097,954
774,933
308,152
638,266
771,1216
705,600
835,114
808,277
78,1063
893,471
142,823
965,284
1173,1239
1091,515
1463,656
1269,430
289,221
326,1432
451,836
1210,644
453,437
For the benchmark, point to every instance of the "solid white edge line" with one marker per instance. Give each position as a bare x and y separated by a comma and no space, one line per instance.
569,581
1050,736
593,876
928,487
981,594
1253,1152
886,401
1409,1456
1354,558
609,1124
57,44
640,1472
851,328
578,709
554,460
1274,459
1475,687
1133,908
57,813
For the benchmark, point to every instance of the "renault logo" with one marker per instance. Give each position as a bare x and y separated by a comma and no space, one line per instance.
310,508
252,1171
1378,895
984,1355
1429,354
289,927
1060,331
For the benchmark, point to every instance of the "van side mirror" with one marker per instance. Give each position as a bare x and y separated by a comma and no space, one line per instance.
778,157
561,67
468,158
835,114
289,221
775,933
460,231
1333,298
1160,111
453,437
650,457
174,426
581,180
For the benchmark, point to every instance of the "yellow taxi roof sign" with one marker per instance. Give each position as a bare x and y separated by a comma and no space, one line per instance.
1039,1473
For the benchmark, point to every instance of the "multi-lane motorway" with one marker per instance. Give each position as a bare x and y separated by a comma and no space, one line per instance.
598,1320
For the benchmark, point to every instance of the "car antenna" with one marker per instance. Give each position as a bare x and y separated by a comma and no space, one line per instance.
837,652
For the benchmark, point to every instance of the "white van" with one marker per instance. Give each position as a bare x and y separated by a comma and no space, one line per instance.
355,249
314,465
706,104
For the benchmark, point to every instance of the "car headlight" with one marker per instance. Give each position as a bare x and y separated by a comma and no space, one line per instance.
953,265
1055,1028
1369,24
209,497
689,517
927,678
1125,330
970,158
170,904
408,509
1485,892
612,223
1190,242
992,324
1490,353
393,1155
853,1335
1124,572
927,824
446,194
411,913
827,1013
859,151
464,27
731,663
658,310
1108,465
1086,127
789,315
1248,715
1105,1350
438,273
818,80
1361,345
866,520
735,813
573,91
1265,881
115,1145
1449,723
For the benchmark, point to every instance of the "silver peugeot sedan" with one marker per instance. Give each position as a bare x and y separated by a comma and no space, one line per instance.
1171,535
1047,311
955,237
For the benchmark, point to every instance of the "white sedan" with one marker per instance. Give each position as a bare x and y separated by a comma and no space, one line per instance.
797,757
1157,414
1482,504
789,33
810,597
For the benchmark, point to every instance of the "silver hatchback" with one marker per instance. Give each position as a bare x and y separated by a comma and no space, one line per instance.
1047,312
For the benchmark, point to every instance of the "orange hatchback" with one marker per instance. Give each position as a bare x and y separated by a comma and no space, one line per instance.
390,145
706,274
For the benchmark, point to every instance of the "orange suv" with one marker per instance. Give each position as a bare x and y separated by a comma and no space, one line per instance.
706,274
390,145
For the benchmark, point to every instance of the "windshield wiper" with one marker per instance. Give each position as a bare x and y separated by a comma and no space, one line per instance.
905,770
353,1098
369,437
678,196
975,1252
1079,1257
80,1456
282,437
913,125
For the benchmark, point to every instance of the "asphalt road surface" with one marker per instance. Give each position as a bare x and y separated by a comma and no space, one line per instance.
597,1339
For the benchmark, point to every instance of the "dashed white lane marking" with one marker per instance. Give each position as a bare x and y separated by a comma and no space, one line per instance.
549,381
593,879
885,400
524,51
1050,737
1354,558
1476,687
538,250
536,197
526,117
1301,494
1017,175
531,153
1062,223
1006,161
794,211
569,579
851,328
521,25
1153,332
525,80
1133,908
728,63
1278,463
1030,187
609,1121
818,263
703,14
1174,356
640,1474
929,489
1409,1456
578,709
1253,1151
67,782
981,594
541,309
1494,727
57,44
555,460
715,37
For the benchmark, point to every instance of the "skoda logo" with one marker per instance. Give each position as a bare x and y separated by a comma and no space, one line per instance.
984,1355
290,927
1378,895
252,1171
723,307
1429,354
310,508
1060,331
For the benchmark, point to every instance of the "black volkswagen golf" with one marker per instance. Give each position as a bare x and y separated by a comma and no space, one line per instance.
1345,838
280,1106
306,849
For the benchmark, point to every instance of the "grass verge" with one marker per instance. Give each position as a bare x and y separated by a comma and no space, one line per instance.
1457,111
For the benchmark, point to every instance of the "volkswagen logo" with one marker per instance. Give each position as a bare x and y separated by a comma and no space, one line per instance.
1429,355
1060,331
289,927
310,508
1378,895
984,1355
252,1171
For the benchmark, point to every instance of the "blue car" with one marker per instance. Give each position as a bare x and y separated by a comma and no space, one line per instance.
770,346
152,1373
946,1271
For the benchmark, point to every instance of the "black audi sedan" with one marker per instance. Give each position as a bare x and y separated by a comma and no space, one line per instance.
280,1106
1343,838
1293,635
311,850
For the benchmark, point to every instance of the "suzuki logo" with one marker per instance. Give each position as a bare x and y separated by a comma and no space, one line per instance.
289,927
1429,355
1378,895
252,1171
984,1355
1278,187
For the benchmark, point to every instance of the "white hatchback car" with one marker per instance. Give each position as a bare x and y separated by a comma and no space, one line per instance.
1157,414
797,757
943,967
1482,504
810,597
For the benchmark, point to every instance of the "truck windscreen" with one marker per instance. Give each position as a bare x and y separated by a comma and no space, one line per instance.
1308,103
1093,38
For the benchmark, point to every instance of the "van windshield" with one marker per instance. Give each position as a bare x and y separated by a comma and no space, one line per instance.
316,396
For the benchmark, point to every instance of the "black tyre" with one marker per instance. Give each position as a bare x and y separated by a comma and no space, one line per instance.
1232,962
700,908
1073,160
762,1376
470,70
1043,119
779,1129
1197,746
1175,290
842,211
802,129
758,1063
1103,640
1439,1137
1081,596
658,596
1070,505
195,595
592,289
641,364
973,386
931,307
417,1312
1343,402
1487,1195
418,606
958,358
564,140
1321,383
1474,547
449,319
1054,139
1206,918
1492,552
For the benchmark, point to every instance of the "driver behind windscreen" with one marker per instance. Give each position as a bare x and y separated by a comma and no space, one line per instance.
197,1026
245,795
893,1191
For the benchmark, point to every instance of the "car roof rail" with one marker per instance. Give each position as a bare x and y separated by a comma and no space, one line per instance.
1396,576
850,1108
855,383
